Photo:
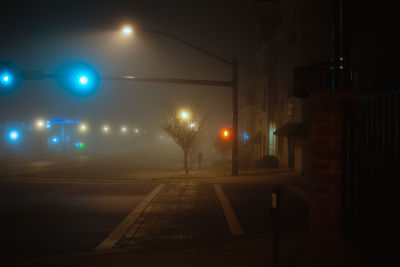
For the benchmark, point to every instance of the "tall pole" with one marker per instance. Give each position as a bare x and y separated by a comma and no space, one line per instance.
40,145
234,118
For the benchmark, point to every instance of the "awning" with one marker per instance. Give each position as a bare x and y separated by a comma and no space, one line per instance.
294,129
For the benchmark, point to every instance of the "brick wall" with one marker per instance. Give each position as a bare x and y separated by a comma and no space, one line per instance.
326,166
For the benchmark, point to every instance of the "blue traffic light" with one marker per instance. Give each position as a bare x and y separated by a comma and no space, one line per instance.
13,135
8,77
83,80
80,79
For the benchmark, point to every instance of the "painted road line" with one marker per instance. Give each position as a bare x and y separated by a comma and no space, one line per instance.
230,216
123,227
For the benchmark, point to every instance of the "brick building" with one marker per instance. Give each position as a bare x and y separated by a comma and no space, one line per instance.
328,107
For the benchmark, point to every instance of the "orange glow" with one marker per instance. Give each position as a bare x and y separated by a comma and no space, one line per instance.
226,133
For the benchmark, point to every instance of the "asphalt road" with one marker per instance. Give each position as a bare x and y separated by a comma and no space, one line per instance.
42,218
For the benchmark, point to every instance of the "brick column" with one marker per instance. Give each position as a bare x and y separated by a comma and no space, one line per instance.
326,167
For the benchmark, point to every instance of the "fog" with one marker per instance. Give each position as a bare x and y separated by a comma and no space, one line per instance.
135,105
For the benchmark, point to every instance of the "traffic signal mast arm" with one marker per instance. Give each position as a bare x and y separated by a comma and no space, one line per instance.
169,80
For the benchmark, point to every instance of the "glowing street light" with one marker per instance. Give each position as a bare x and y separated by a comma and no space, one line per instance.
126,30
124,130
83,128
106,129
184,115
40,124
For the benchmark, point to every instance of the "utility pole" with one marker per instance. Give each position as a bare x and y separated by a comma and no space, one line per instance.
235,116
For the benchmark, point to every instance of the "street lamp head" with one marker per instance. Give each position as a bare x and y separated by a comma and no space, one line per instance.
184,115
124,130
106,129
83,128
40,124
126,30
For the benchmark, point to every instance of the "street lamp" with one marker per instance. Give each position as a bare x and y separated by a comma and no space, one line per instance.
106,129
124,129
126,30
184,115
232,84
40,125
83,127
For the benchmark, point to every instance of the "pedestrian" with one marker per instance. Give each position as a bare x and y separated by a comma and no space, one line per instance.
199,159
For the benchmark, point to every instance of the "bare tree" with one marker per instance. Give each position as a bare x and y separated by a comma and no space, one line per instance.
183,130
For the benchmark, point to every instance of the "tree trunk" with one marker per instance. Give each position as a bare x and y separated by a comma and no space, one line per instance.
185,162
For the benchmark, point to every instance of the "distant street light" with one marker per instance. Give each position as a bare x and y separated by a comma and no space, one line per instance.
83,128
124,130
40,124
106,129
184,115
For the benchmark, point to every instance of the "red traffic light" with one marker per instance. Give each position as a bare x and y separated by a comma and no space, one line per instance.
226,133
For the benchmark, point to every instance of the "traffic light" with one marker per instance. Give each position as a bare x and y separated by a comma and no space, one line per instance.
13,135
8,76
78,78
226,133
